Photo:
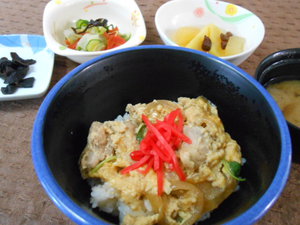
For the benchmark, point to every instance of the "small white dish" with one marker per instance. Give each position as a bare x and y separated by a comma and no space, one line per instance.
29,47
59,14
198,13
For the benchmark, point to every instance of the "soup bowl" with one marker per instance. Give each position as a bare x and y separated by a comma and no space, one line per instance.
281,66
99,90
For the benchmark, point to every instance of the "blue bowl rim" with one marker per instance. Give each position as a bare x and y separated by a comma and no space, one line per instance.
80,216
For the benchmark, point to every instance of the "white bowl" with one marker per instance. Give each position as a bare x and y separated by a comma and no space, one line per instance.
198,13
59,14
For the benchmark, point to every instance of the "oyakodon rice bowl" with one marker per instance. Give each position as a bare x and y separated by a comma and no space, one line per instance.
100,89
136,176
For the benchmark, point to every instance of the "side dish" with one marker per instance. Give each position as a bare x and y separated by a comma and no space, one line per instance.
94,35
210,39
161,163
287,95
13,73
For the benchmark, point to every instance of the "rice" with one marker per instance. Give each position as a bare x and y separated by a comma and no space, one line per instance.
148,205
205,217
122,118
123,210
105,197
244,161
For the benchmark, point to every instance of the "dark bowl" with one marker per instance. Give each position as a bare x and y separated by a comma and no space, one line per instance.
280,66
101,88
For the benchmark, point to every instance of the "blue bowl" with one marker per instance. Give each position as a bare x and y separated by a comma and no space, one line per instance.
101,88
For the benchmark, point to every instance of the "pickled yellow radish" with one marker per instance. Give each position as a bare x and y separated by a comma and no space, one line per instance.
184,35
214,35
196,42
193,37
235,45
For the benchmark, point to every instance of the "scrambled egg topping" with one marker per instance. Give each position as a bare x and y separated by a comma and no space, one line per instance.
207,184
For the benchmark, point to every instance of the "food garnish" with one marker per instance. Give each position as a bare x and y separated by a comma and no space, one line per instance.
233,169
13,73
225,38
99,165
141,132
94,35
206,45
158,147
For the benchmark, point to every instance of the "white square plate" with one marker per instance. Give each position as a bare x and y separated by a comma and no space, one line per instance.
28,47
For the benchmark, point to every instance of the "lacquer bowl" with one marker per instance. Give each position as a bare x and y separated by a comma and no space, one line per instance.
281,66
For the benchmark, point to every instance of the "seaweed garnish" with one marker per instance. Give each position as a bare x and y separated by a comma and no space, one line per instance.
17,59
13,73
88,24
17,75
9,89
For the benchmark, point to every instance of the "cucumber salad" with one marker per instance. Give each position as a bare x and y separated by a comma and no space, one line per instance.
94,35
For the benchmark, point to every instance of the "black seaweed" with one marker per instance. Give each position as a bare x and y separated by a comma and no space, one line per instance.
26,83
6,67
9,89
16,75
13,73
17,59
92,23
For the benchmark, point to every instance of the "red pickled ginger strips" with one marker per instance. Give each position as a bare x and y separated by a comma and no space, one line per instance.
158,147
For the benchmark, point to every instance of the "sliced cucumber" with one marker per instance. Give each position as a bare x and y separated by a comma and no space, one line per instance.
91,42
101,30
126,36
83,42
81,24
95,45
71,36
93,30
